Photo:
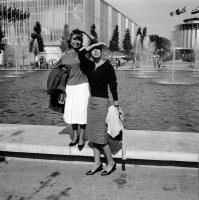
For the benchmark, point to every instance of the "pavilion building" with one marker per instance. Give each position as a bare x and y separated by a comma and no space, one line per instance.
185,38
54,14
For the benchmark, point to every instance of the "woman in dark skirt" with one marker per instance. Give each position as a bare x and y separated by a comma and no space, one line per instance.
100,74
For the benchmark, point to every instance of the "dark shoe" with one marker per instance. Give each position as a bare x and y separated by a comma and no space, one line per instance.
81,146
105,173
99,168
74,143
2,159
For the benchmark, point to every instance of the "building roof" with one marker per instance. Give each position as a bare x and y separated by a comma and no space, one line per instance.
119,12
192,20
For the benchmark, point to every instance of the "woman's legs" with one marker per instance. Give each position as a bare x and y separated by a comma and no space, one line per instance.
81,134
96,150
108,154
97,163
75,133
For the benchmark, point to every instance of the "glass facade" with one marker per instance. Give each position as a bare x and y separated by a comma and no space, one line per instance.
89,14
104,22
53,14
114,19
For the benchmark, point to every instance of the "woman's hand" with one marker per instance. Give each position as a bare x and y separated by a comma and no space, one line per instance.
116,104
91,37
95,45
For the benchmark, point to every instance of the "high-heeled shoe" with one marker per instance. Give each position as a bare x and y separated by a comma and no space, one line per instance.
105,173
81,146
99,168
74,143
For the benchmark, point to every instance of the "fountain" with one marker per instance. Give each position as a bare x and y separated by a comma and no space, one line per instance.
177,73
143,52
196,55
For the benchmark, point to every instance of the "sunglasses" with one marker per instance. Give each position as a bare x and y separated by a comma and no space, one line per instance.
77,38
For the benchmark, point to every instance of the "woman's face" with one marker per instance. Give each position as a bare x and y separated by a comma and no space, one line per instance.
76,41
96,53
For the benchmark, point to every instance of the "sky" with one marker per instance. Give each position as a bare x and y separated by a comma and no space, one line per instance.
155,14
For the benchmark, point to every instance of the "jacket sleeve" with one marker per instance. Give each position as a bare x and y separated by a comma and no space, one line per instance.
84,61
112,82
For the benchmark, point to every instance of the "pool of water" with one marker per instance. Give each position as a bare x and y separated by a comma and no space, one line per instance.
146,104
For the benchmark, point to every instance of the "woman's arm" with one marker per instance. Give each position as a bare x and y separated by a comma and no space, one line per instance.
84,61
113,84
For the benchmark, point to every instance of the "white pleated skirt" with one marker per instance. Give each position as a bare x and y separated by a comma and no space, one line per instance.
76,103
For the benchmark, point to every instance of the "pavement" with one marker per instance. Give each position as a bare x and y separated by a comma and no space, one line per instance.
42,178
136,144
25,179
40,175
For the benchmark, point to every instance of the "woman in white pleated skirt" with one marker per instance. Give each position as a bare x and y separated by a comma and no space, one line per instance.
76,103
77,90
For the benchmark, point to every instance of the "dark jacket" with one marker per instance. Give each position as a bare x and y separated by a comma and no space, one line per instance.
56,84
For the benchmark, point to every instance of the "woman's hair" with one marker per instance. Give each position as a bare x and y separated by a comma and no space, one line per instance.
75,32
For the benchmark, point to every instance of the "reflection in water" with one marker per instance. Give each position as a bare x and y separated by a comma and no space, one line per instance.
146,104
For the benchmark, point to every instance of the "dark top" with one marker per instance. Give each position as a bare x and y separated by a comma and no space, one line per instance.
100,78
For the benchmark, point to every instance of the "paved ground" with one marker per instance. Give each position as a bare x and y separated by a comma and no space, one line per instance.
50,180
137,144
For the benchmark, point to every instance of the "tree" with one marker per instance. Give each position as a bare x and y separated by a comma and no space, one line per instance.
65,35
93,32
127,45
36,44
142,33
13,14
114,43
161,45
36,35
2,44
139,32
39,38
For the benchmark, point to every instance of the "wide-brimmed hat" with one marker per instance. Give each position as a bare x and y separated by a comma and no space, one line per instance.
97,45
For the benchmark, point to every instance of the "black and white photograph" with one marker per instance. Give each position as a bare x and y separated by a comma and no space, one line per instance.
99,100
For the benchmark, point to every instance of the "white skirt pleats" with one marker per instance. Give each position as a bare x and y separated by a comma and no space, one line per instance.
76,103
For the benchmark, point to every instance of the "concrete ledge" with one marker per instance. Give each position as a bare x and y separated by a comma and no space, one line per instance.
137,144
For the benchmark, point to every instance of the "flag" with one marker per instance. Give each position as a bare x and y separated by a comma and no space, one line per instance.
171,14
194,11
178,12
183,10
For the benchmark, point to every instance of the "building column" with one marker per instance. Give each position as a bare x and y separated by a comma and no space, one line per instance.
119,29
189,38
193,37
132,32
185,38
126,23
178,37
109,23
97,17
182,38
197,39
